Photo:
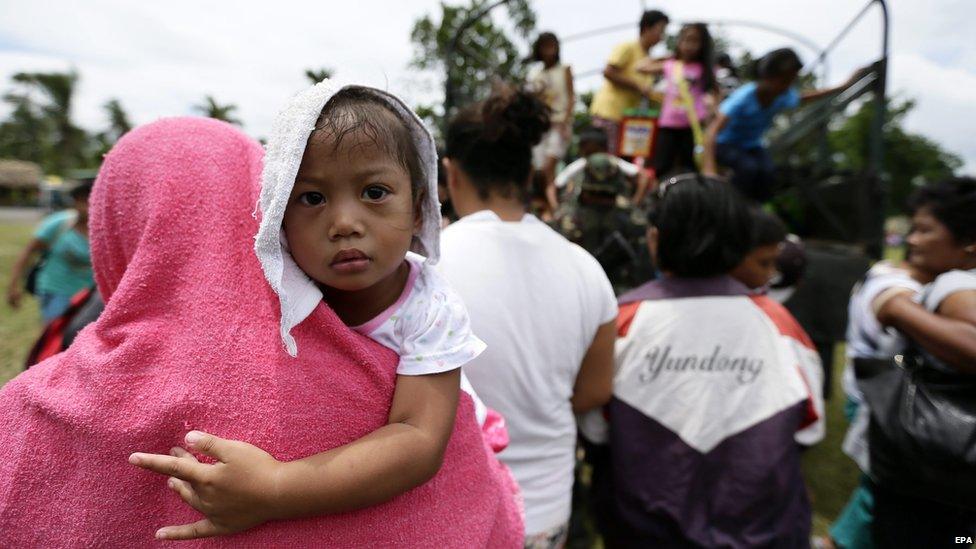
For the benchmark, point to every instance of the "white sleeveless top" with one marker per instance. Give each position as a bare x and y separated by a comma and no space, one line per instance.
551,85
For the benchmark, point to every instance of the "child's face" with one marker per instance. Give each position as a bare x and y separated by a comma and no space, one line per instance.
350,217
759,266
689,44
548,51
778,85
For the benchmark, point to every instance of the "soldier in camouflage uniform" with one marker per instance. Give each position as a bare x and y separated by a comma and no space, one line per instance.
598,213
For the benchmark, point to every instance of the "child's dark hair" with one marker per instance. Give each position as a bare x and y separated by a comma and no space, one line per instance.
777,63
953,203
767,228
706,54
594,137
359,109
724,60
492,140
704,227
650,18
541,41
82,190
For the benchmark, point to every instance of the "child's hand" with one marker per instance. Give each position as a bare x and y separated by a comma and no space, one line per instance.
236,493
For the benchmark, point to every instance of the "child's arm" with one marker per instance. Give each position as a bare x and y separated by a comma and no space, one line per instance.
247,486
709,164
571,103
810,96
653,67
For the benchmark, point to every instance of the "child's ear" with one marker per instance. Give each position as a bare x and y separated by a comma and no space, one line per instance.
418,210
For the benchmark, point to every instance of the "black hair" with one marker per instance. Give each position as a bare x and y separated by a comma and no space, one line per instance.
595,136
359,109
540,41
706,54
704,227
776,63
650,18
767,228
82,189
953,203
492,140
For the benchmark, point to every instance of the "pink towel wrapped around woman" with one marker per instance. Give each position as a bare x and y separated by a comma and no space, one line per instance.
189,340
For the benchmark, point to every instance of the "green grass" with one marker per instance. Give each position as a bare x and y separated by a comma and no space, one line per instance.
830,475
18,327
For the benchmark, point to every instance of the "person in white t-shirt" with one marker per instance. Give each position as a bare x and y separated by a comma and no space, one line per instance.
543,305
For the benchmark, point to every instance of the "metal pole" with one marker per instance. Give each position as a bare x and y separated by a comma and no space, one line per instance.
877,193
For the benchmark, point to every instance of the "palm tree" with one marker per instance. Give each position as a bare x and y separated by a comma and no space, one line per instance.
119,123
319,75
210,108
68,147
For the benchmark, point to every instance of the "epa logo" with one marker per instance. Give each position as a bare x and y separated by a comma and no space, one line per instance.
966,539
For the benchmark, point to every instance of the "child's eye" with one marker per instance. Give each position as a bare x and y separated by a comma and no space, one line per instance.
311,199
375,192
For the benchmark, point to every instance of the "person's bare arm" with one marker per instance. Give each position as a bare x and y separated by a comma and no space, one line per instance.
643,184
14,291
594,382
949,335
571,99
653,67
616,75
809,96
247,486
709,164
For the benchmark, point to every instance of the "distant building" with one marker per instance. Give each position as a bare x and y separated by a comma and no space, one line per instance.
20,182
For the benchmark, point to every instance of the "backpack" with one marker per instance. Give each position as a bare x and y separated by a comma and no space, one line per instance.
602,176
85,307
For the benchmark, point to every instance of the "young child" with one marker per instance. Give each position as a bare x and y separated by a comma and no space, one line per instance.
759,267
690,93
347,207
734,137
553,81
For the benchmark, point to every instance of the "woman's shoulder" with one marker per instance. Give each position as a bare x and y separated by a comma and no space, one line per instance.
947,284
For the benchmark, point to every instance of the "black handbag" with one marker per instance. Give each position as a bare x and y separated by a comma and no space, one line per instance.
30,282
922,435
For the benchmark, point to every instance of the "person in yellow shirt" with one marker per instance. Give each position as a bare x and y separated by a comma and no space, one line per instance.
623,86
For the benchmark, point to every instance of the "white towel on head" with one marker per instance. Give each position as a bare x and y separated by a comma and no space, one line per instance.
297,292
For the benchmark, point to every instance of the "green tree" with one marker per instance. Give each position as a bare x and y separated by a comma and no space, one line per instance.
24,134
211,109
67,144
486,52
118,126
910,159
318,75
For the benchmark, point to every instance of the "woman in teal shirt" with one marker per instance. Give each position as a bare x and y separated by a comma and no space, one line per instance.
67,267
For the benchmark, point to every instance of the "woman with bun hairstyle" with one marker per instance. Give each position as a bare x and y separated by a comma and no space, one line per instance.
543,305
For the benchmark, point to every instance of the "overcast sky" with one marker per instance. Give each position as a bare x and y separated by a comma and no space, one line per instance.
161,58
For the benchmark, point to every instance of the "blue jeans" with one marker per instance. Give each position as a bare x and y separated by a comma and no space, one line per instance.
752,170
53,305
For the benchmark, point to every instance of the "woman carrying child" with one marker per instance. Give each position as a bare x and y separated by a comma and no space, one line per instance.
363,434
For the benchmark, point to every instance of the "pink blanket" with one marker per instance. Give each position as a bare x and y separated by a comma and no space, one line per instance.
189,340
